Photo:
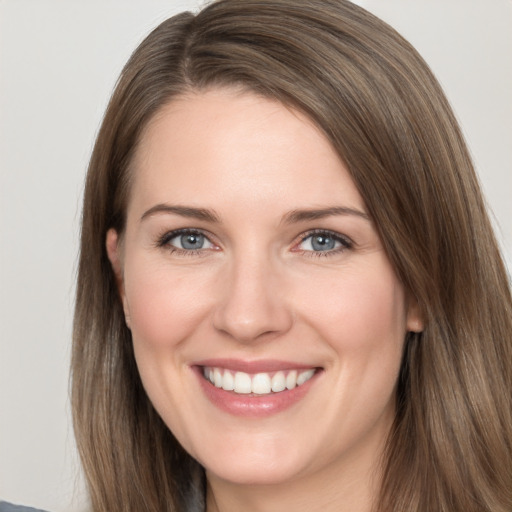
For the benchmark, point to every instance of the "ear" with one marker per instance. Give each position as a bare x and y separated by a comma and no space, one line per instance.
415,322
114,253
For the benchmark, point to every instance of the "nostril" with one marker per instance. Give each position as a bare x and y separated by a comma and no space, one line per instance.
247,323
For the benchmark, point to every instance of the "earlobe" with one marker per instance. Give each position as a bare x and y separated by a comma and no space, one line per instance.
113,246
415,322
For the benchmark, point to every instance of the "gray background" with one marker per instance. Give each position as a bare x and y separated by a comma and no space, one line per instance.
59,60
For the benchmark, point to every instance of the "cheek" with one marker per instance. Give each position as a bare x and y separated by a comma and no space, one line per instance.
363,320
164,304
360,310
362,317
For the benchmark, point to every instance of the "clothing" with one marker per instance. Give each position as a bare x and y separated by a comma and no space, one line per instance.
9,507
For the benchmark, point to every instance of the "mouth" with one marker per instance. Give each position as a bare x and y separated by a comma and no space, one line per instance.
257,384
255,389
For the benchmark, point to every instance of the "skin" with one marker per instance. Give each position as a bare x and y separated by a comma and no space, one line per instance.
257,290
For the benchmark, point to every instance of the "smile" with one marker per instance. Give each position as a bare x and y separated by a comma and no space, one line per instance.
258,384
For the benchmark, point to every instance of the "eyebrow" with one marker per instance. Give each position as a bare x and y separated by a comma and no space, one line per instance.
184,211
290,218
304,215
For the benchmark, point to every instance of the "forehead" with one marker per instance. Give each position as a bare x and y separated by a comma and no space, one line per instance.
232,146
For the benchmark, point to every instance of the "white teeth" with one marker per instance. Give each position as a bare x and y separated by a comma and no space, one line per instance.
260,383
242,383
217,378
304,376
228,383
291,379
278,382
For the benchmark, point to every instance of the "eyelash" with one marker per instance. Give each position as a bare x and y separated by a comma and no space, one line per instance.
164,239
345,243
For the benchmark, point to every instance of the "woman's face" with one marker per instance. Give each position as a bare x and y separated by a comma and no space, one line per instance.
268,324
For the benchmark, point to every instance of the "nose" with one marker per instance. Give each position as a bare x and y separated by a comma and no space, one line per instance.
252,303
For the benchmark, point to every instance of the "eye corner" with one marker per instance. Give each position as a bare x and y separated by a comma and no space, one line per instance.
175,241
327,243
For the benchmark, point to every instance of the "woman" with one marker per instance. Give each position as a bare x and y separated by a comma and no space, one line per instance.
289,293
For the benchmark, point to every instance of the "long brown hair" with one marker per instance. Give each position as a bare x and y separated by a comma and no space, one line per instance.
376,100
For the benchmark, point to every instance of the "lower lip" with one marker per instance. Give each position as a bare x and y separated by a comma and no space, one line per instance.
254,406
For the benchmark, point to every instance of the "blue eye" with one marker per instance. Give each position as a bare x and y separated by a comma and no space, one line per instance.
190,241
186,241
323,241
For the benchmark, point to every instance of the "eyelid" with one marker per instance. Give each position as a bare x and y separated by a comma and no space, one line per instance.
346,242
163,240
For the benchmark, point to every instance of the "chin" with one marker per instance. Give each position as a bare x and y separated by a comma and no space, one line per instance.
246,472
254,461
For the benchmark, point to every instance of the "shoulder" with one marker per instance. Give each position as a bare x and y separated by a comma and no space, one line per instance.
8,507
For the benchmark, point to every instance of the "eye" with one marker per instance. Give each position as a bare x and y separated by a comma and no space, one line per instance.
323,242
190,241
186,241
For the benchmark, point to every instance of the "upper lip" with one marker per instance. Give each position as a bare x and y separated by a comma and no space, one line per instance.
257,366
